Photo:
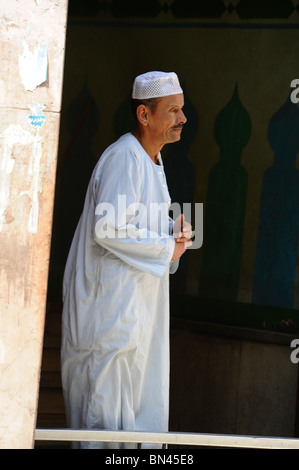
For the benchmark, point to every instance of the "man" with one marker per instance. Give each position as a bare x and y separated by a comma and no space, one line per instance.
115,327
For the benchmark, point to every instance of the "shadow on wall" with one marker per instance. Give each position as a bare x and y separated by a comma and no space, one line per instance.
278,231
226,205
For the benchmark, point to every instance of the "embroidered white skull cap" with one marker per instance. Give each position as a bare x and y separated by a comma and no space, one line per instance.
155,85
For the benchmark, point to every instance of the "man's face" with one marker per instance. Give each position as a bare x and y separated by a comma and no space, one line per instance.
167,120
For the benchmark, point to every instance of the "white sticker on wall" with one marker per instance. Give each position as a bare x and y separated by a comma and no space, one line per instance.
33,66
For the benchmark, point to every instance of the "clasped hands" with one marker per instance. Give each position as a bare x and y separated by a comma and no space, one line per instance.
182,233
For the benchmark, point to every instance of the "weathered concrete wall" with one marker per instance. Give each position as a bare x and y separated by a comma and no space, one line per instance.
32,38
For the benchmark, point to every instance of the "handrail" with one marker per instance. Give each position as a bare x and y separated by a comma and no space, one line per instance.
189,439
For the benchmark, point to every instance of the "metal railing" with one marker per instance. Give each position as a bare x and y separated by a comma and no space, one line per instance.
185,439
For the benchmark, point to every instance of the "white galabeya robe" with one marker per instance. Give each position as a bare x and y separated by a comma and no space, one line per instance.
115,325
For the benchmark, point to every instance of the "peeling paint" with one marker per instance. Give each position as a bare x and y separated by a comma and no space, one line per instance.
33,66
7,22
29,179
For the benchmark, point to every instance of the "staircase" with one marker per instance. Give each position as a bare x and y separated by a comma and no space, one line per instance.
51,412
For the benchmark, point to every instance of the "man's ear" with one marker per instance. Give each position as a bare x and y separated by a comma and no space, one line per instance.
142,114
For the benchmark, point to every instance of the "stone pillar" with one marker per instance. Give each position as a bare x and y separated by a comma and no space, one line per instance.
32,40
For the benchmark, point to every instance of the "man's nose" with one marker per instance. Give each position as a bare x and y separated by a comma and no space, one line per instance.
182,117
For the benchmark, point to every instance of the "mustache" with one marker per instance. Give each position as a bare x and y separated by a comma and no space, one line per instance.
178,126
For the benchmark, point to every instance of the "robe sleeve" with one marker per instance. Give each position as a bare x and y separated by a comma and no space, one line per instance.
117,194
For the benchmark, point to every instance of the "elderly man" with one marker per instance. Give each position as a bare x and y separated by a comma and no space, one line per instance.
115,326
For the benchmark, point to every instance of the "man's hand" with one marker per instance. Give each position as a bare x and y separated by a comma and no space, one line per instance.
182,232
